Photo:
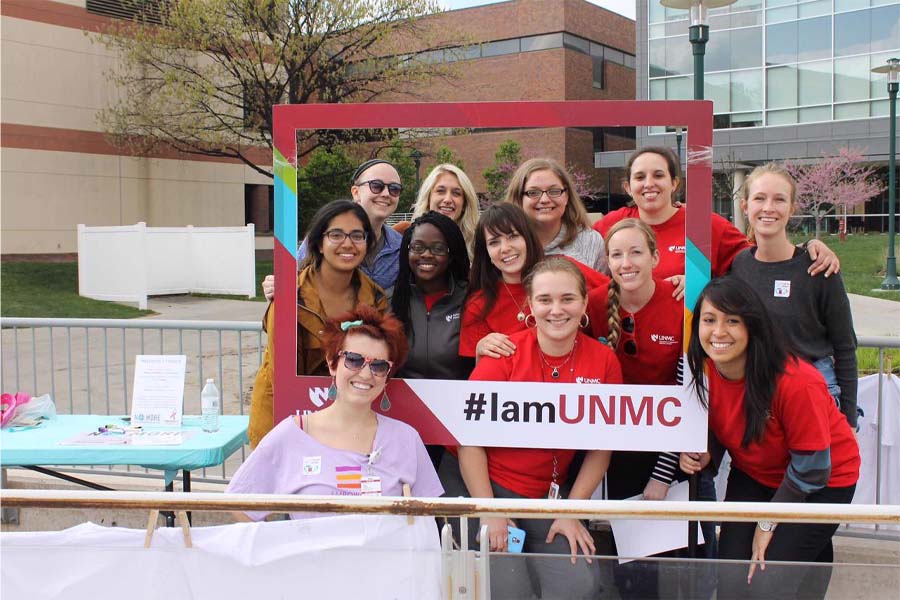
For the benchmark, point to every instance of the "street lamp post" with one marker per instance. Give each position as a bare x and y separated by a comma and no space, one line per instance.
892,68
417,159
698,32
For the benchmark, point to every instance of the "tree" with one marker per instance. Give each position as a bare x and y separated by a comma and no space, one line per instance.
324,177
445,155
833,182
204,79
506,161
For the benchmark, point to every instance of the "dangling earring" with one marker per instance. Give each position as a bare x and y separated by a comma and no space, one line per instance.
586,319
385,402
332,391
532,323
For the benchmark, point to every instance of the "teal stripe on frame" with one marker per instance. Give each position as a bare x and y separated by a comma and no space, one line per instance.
286,207
697,271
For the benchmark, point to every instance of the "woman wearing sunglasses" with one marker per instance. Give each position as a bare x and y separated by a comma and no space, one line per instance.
448,191
329,283
346,448
552,350
654,177
506,249
547,194
376,187
639,318
429,306
787,439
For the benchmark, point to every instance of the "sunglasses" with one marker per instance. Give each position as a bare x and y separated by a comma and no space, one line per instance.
629,346
355,362
376,186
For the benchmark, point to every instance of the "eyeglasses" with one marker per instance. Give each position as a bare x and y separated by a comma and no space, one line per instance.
376,186
337,236
535,194
437,248
355,362
629,346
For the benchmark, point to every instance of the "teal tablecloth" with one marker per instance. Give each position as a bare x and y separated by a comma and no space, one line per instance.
41,446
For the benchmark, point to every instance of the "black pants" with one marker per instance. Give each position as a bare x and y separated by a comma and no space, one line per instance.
798,542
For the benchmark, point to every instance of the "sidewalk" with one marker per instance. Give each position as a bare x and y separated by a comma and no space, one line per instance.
871,316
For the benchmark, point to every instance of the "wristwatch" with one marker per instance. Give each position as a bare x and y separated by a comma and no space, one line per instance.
766,526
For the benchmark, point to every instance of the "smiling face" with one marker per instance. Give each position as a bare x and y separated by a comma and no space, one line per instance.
508,252
651,185
345,255
631,262
769,205
557,304
544,210
447,196
429,269
359,387
378,206
724,338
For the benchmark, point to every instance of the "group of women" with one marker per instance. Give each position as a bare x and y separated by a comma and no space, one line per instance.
529,291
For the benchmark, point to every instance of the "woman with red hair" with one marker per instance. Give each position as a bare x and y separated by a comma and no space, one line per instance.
346,448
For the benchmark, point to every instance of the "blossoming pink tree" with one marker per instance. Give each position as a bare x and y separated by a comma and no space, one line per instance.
840,181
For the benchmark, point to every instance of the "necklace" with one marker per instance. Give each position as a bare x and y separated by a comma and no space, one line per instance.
554,369
520,316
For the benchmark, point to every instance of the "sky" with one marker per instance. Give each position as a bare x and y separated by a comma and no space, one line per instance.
623,7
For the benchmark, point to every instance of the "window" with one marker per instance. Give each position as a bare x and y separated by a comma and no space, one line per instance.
141,10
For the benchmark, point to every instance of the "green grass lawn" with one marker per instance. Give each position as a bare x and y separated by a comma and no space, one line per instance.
862,262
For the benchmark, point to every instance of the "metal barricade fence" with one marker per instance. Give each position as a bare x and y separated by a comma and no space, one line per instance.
87,365
94,377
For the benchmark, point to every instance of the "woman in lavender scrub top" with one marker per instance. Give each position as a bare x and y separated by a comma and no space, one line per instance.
346,448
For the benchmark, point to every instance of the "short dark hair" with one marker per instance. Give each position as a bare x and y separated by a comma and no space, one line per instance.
672,163
504,217
320,222
458,268
767,352
375,324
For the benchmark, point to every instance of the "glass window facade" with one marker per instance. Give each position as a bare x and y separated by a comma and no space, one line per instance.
779,62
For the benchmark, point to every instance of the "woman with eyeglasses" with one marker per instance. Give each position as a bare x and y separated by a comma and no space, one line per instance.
430,303
787,439
553,349
654,177
506,249
547,194
638,317
329,283
345,449
376,187
449,191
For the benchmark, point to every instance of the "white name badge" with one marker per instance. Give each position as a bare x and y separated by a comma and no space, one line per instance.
782,288
370,485
312,465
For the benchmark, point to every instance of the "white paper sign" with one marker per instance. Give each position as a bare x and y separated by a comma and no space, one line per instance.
644,537
158,397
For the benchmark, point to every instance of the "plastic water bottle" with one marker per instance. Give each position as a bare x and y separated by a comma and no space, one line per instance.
209,406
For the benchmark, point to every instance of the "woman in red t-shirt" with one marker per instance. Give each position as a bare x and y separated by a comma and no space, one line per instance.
554,350
654,176
787,440
506,248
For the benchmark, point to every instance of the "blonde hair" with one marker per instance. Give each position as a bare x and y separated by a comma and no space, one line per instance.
772,168
555,264
575,217
468,219
613,319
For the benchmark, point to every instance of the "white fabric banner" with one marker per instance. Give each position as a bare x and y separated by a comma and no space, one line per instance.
889,474
330,557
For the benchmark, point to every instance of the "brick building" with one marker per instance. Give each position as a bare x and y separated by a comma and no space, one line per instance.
59,170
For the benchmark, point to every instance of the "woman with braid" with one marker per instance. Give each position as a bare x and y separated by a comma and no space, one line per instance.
638,317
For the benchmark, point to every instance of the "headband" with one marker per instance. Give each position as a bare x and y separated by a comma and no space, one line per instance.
345,325
365,167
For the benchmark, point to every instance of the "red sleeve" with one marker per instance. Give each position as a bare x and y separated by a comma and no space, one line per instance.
728,242
491,369
473,327
592,278
801,409
608,220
